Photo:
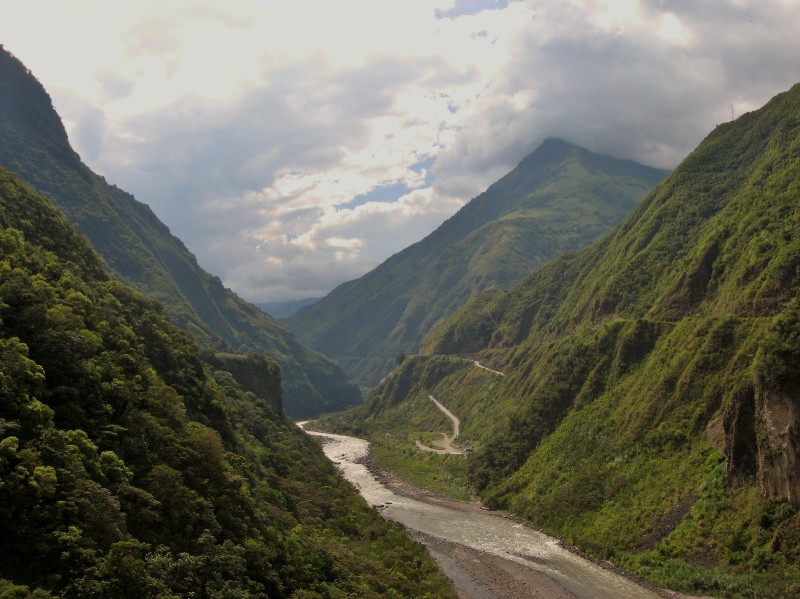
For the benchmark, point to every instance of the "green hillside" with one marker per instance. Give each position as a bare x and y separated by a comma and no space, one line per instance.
130,470
558,199
650,408
139,250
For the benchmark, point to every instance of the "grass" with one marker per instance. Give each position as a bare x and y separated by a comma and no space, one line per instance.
445,474
647,409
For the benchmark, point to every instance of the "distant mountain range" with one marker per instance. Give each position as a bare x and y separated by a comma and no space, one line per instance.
558,199
139,250
286,309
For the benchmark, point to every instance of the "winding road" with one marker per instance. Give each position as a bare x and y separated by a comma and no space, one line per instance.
445,446
479,365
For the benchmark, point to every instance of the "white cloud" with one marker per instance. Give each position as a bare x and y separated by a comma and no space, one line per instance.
293,146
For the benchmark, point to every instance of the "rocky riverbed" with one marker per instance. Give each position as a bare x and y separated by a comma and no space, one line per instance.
486,554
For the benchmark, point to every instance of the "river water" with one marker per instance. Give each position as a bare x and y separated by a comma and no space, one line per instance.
485,532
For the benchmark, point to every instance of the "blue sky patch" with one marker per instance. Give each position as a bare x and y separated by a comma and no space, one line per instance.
470,7
385,193
426,164
393,191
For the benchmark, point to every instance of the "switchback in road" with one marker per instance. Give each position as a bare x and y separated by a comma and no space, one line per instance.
446,444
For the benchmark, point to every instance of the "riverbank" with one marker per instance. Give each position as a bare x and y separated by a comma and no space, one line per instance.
479,571
479,575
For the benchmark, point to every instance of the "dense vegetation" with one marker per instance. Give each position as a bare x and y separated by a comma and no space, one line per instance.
398,413
139,250
130,469
649,408
557,199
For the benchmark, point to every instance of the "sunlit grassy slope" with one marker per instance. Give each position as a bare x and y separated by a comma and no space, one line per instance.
139,250
558,199
650,408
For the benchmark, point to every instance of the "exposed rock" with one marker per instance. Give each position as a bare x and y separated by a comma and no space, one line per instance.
256,373
779,446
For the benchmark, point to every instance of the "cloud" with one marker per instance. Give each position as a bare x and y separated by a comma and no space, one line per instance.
340,246
294,146
648,88
308,153
117,88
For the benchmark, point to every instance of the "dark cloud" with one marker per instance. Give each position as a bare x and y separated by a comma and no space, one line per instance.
196,150
203,165
115,87
621,88
625,91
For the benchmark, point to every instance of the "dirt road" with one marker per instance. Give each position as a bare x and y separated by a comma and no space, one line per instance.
479,365
445,446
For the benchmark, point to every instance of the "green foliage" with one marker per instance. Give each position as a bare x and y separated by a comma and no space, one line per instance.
398,413
127,470
558,199
648,411
139,250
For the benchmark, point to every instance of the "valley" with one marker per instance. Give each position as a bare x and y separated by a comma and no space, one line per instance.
647,411
131,468
529,563
583,384
558,199
140,251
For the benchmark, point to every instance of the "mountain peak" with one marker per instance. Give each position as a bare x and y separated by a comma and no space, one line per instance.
25,103
542,208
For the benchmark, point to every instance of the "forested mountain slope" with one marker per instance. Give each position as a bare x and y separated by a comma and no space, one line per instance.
557,199
130,470
139,250
650,405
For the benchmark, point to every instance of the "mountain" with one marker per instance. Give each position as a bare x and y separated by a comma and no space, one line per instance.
558,199
131,470
649,410
139,250
285,309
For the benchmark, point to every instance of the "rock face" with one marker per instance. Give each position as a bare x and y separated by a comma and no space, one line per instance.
255,373
779,453
741,446
762,442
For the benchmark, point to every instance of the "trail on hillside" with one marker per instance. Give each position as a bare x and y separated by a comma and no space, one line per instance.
479,365
445,446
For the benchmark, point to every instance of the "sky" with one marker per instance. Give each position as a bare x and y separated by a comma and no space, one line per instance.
294,146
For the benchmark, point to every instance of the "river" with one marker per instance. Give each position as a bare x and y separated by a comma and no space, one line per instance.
489,533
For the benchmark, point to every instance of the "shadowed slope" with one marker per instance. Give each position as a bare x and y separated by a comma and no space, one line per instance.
131,470
139,250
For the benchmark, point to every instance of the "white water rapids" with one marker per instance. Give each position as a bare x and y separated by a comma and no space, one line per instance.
485,532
